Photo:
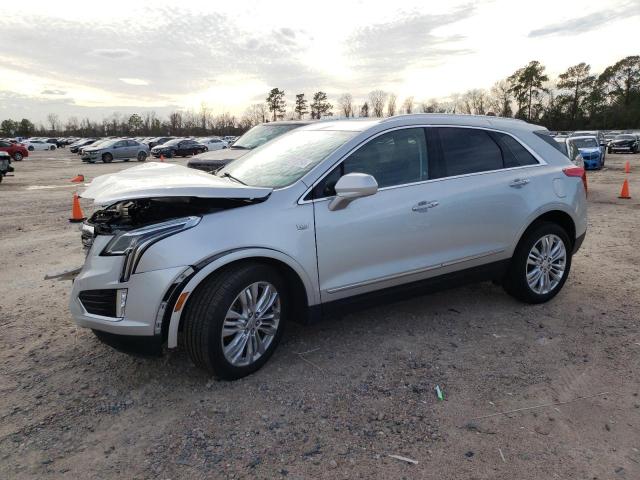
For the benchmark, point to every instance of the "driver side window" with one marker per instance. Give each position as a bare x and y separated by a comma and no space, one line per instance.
395,158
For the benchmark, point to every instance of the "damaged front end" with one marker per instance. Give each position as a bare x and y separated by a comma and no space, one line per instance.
135,225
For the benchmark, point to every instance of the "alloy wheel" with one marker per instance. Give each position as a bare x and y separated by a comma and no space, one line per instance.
251,324
546,264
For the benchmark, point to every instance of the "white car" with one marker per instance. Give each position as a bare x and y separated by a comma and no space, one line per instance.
33,145
213,143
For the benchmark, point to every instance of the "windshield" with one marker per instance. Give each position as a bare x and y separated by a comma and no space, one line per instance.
286,159
586,143
262,134
625,137
104,143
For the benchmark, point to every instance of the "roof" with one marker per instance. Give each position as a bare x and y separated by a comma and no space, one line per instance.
361,124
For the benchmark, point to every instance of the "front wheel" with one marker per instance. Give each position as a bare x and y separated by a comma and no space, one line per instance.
17,157
107,158
31,149
235,320
540,264
52,147
142,156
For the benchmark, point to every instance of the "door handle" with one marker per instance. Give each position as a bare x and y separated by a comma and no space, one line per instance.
423,206
519,182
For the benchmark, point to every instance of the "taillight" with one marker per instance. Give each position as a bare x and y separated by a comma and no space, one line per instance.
577,172
574,171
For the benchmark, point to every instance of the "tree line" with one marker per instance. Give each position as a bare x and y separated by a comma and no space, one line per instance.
577,99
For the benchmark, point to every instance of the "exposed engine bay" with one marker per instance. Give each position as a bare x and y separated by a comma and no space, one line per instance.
131,214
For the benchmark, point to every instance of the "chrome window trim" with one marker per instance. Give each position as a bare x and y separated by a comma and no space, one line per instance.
539,159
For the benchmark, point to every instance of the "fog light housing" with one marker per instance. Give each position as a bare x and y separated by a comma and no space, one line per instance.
121,302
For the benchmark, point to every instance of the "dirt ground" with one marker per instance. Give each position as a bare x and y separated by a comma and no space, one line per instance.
338,398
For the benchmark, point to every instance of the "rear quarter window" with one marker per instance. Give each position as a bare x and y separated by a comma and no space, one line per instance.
544,135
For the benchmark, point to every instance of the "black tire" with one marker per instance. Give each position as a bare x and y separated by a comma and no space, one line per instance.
170,154
205,314
31,149
515,281
142,156
107,158
52,147
17,157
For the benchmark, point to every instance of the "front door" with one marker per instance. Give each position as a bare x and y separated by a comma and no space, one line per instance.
380,240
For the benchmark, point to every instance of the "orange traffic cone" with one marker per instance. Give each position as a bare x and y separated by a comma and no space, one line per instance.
78,178
76,211
624,193
627,167
161,158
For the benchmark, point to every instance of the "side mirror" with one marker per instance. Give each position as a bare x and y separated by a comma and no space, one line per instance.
352,186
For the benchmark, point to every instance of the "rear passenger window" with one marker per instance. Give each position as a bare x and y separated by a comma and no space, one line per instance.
467,150
514,154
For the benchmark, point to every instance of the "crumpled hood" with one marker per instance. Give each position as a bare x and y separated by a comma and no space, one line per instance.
155,180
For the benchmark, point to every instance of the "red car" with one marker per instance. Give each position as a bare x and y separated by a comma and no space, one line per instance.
16,150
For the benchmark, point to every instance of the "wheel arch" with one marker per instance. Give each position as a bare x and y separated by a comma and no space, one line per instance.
557,216
301,287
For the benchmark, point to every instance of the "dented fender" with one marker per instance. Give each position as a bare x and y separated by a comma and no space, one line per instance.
211,264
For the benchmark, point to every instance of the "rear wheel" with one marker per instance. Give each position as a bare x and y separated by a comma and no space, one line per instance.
234,320
52,147
31,149
540,264
107,158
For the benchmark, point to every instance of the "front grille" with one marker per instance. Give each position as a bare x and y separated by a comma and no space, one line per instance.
99,302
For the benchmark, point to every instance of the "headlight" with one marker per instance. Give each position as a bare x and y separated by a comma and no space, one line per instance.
134,243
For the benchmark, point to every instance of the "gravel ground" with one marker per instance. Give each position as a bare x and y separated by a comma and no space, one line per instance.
338,398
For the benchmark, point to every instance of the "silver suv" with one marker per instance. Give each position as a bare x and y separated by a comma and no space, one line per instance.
329,215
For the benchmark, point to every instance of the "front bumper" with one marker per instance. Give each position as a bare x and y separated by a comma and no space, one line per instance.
145,293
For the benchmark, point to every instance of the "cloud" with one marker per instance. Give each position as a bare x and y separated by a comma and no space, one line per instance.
113,53
134,81
382,52
52,91
589,22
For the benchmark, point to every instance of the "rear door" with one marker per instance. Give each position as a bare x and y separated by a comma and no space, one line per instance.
486,185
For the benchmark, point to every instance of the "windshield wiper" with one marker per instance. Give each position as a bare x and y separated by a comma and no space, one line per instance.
228,175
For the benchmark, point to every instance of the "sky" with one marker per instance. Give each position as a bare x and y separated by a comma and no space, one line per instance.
90,59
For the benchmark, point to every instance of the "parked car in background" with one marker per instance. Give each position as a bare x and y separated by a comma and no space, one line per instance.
75,147
17,151
154,142
5,164
35,145
116,149
92,144
320,218
229,139
258,135
179,147
599,134
623,143
591,152
213,143
571,150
